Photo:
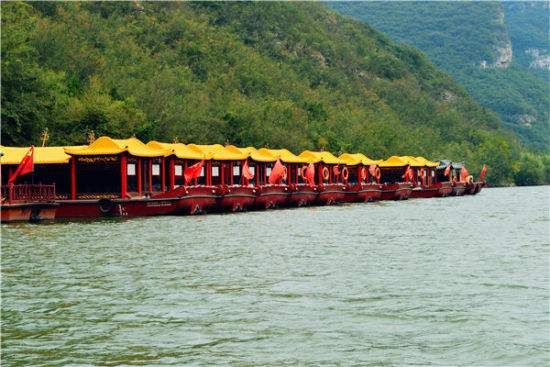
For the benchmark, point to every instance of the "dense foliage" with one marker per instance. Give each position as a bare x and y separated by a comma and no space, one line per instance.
466,39
289,75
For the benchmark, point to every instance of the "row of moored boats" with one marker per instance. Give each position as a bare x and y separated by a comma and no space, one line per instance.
125,177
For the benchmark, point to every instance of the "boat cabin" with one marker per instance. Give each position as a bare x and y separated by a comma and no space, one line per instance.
116,168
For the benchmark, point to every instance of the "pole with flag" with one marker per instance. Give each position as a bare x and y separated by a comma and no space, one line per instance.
26,166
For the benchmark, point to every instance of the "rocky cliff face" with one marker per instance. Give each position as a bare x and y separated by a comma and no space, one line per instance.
499,51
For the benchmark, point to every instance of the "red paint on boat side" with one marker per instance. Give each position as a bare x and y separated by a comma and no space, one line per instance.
440,189
301,195
330,194
396,191
271,196
364,192
235,198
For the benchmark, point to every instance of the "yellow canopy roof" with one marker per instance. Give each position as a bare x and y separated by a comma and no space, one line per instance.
107,146
394,161
218,152
357,158
285,155
419,161
427,163
178,149
258,155
326,157
42,155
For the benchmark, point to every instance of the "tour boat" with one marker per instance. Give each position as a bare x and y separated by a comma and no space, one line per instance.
394,186
268,176
195,194
224,170
422,174
331,189
116,177
362,185
300,191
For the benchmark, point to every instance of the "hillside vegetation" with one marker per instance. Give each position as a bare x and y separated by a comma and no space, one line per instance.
289,75
499,51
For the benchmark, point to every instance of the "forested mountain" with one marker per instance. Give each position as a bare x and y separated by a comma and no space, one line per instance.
292,75
500,51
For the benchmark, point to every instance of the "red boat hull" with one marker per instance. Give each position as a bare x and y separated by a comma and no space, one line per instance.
270,196
331,194
360,193
301,195
27,212
398,191
115,208
235,198
436,190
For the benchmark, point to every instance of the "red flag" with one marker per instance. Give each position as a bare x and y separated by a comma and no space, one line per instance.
483,172
26,166
246,172
310,174
464,174
193,171
447,171
277,173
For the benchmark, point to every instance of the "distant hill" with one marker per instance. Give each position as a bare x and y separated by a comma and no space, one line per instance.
499,51
289,75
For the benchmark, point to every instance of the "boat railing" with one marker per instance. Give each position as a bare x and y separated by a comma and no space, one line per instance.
28,193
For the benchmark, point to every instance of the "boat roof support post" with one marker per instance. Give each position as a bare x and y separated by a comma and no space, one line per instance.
123,177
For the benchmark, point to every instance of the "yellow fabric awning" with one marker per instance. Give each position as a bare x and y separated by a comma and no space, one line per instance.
178,149
218,152
325,157
107,146
42,155
357,158
393,161
412,161
426,162
258,155
285,155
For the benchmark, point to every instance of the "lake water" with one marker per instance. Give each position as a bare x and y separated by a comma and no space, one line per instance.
453,281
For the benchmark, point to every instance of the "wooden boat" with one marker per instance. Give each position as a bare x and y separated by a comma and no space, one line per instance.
224,170
328,175
116,177
394,186
299,192
361,187
270,191
425,181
